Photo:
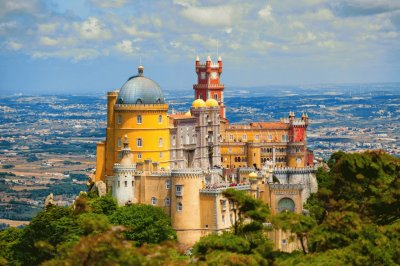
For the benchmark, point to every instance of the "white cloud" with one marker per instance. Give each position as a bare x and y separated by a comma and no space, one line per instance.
266,13
13,45
296,25
321,14
132,30
48,27
184,3
210,16
125,47
7,6
306,37
92,29
76,54
327,44
48,41
108,3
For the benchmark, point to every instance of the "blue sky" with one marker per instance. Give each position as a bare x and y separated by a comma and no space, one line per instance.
93,46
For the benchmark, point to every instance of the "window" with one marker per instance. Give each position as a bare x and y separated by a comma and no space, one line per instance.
161,154
167,184
173,140
160,119
139,155
133,184
119,119
231,218
167,202
230,137
178,190
201,96
223,205
119,155
230,150
216,96
160,142
173,154
286,204
298,160
126,183
119,142
223,219
138,119
257,137
153,201
270,137
244,137
179,206
139,142
284,138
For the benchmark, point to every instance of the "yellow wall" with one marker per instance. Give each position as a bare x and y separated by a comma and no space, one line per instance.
100,161
150,130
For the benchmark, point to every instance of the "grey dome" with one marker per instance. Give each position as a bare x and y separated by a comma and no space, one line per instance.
140,90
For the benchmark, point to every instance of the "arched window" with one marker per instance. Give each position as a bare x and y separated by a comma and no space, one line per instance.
138,119
168,184
119,119
167,202
153,201
179,206
160,142
139,142
286,204
160,119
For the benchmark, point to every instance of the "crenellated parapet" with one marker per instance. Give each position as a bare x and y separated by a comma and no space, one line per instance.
293,170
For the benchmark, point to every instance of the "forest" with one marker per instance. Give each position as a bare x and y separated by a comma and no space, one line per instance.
354,219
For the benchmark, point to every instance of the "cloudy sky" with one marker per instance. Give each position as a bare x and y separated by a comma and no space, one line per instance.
92,46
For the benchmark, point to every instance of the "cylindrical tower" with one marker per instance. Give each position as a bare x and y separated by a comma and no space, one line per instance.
123,187
185,204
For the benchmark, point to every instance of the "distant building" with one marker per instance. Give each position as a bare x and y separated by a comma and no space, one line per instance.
182,162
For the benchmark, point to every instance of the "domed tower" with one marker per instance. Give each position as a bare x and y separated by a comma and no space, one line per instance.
208,146
208,82
137,110
123,185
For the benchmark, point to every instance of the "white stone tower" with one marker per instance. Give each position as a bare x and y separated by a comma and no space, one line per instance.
123,188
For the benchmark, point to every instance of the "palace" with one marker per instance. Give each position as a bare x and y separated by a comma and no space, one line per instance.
182,162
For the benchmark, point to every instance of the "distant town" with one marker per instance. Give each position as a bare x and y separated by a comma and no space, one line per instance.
47,143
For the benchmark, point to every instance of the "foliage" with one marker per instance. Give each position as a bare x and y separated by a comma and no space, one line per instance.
45,233
144,223
298,224
246,207
8,239
103,205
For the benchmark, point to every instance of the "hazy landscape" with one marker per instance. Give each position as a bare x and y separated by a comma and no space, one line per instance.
47,142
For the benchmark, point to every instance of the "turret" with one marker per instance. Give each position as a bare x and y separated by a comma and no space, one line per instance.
220,65
123,187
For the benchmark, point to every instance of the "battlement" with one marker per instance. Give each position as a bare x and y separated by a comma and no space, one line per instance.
295,122
205,86
218,188
292,170
187,172
286,186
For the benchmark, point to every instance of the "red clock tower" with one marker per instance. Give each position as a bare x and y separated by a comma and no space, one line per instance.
208,82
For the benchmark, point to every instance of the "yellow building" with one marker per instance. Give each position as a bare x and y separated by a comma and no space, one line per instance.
183,162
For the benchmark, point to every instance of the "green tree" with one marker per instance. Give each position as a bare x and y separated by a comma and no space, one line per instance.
144,223
46,231
103,205
245,207
298,224
8,239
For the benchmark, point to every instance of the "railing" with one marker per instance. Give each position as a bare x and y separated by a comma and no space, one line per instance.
203,86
